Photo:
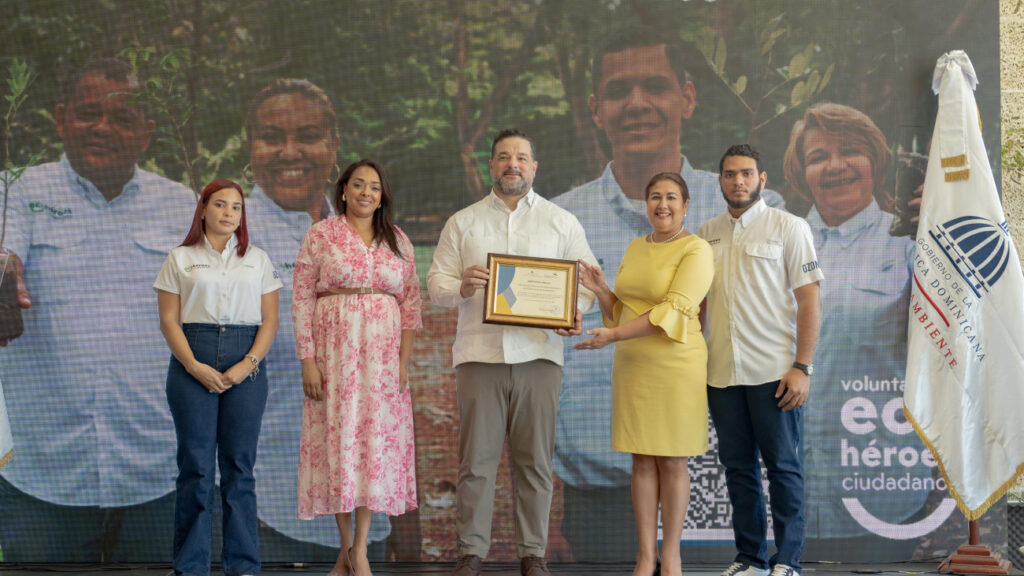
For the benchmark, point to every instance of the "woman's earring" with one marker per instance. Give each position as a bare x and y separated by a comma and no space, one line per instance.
342,196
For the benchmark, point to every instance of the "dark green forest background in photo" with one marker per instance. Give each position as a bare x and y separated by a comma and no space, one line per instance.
423,85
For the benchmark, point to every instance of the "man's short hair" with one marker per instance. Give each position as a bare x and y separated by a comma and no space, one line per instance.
639,37
112,69
513,133
741,150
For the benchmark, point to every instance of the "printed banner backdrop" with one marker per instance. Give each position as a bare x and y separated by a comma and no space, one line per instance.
835,93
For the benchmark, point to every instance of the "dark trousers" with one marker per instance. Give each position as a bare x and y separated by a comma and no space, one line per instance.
749,422
216,429
33,530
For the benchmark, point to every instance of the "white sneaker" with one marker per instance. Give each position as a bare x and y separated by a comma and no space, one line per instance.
743,569
783,570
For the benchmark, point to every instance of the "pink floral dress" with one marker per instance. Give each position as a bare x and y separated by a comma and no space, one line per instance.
357,444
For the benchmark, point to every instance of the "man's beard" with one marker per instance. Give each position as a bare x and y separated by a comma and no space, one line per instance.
740,205
507,189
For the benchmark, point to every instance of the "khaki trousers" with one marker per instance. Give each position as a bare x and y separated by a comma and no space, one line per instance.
495,400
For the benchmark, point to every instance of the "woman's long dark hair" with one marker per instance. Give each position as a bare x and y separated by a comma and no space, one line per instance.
383,223
195,233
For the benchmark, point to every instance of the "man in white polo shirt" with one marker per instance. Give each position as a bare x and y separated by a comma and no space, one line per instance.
507,378
764,310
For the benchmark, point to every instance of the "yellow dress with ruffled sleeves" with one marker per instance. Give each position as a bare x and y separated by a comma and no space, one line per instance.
659,382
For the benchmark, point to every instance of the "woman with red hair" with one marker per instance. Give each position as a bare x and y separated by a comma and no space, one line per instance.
218,313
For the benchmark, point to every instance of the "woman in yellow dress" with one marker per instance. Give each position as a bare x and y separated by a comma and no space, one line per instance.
659,372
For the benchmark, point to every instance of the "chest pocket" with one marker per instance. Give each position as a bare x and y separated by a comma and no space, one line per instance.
476,245
880,299
154,247
544,247
889,278
156,244
59,259
247,278
764,250
58,239
142,263
764,260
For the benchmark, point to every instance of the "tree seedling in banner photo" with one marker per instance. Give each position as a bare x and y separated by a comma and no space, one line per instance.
19,77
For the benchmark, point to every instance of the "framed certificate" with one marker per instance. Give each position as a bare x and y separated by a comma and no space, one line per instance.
533,292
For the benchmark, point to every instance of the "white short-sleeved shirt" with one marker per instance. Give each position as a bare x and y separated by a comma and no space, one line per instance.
218,287
760,258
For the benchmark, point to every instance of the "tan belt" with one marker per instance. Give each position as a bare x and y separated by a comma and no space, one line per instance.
337,291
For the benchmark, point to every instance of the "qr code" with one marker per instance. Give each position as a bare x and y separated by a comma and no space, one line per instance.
710,513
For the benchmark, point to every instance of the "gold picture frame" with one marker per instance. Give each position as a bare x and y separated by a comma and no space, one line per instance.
531,292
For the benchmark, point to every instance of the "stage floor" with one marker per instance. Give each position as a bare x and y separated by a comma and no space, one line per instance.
491,569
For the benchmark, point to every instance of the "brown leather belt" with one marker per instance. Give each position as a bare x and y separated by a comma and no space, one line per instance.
337,291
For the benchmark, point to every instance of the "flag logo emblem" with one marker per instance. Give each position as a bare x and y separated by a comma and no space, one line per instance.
977,247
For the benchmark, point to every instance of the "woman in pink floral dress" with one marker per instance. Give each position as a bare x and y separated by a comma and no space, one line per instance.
356,304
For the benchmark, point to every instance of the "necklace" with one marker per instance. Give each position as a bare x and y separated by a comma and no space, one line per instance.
667,240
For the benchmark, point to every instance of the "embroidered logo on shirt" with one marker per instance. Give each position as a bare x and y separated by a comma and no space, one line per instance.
809,266
276,275
39,207
192,267
714,241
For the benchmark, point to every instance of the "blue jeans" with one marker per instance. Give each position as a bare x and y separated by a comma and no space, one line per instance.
748,421
216,428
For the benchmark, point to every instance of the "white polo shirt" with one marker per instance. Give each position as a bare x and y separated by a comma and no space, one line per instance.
760,258
218,287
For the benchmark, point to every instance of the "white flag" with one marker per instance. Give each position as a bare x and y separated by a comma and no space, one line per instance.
965,365
6,441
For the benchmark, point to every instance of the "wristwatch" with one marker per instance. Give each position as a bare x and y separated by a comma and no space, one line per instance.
805,368
255,366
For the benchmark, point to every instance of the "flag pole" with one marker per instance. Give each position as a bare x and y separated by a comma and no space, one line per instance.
975,557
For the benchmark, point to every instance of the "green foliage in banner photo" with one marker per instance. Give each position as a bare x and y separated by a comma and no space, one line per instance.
424,85
19,77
